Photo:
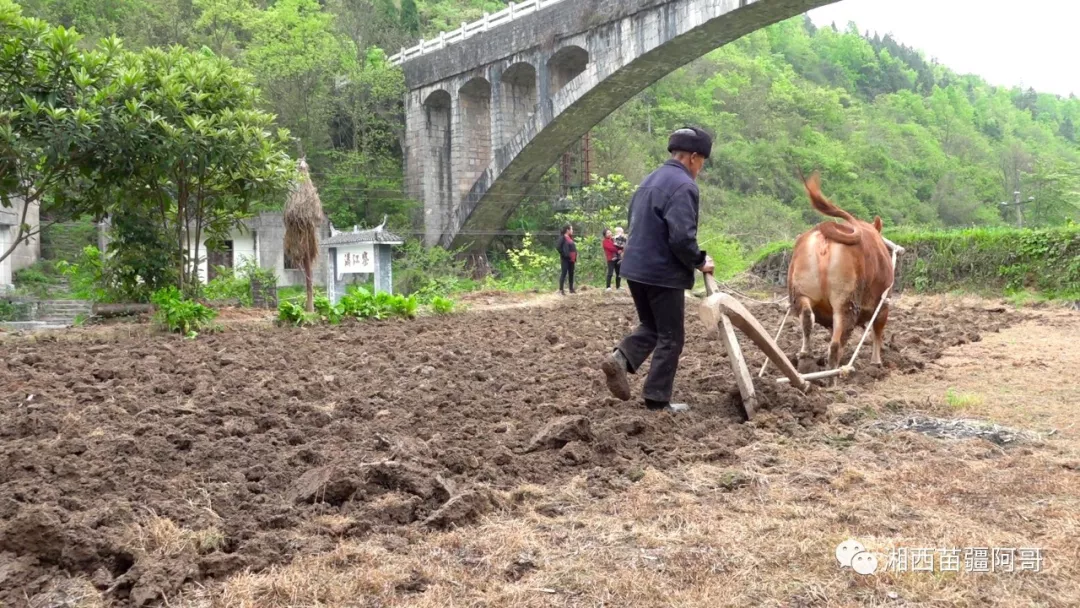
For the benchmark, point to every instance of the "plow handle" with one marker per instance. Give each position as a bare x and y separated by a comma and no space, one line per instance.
710,284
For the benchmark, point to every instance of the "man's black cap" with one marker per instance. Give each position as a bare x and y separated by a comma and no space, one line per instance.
690,139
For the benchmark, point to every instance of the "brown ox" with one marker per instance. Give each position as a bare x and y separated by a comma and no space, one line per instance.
837,275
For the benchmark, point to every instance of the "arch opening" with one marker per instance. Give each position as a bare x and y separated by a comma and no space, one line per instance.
518,98
438,170
475,109
564,66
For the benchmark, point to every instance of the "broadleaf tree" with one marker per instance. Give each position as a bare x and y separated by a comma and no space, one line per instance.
52,101
201,154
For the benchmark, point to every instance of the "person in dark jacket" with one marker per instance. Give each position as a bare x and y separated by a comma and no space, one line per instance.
568,256
658,264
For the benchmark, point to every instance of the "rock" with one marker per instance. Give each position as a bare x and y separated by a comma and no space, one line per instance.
463,508
392,508
322,484
402,476
629,425
575,452
553,339
503,456
560,432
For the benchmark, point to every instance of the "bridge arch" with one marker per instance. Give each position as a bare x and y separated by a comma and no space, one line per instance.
605,52
565,65
518,97
437,140
474,109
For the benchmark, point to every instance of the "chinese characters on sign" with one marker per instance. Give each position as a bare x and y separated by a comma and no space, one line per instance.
970,559
356,259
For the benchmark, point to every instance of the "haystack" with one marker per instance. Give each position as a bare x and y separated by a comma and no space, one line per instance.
303,217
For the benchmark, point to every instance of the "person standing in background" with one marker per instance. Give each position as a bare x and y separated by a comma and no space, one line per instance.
568,257
620,246
611,252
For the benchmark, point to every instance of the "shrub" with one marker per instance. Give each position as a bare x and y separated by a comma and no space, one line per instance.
86,276
359,302
178,314
441,305
325,310
430,272
239,284
228,285
293,313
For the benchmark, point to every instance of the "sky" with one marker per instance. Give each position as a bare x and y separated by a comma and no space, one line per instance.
1029,43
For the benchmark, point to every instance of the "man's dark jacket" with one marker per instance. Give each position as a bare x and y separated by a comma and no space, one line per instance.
662,249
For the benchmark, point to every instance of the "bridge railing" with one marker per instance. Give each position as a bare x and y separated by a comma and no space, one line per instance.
467,30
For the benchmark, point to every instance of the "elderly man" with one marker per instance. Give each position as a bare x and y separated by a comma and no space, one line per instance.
658,263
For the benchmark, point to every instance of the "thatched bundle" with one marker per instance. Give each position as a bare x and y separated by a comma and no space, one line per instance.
303,217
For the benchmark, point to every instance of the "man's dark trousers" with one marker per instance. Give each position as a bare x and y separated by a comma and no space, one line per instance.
660,331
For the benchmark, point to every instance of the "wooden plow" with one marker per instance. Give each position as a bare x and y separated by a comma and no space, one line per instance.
724,312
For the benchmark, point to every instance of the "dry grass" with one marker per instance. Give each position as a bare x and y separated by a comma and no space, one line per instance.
162,537
762,533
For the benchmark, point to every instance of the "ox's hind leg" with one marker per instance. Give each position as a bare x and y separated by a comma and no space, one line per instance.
879,334
806,315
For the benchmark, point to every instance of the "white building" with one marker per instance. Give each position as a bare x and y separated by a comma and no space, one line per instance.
27,252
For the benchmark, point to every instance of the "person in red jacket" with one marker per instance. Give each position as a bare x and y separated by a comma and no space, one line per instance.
611,252
568,256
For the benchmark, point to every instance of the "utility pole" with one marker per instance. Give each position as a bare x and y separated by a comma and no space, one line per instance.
1019,205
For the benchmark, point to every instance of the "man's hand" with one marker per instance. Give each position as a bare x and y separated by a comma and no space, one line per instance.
708,266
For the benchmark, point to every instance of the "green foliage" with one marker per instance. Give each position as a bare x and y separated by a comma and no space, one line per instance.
178,314
358,303
40,280
530,266
326,311
892,134
441,305
292,313
236,284
361,303
227,284
65,240
13,310
86,276
429,272
201,153
53,99
410,19
141,258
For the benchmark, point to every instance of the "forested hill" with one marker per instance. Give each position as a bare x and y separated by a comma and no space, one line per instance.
892,133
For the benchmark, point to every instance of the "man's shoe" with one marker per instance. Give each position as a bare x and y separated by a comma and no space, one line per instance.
663,406
615,373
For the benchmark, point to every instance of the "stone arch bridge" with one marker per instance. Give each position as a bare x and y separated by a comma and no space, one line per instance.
492,105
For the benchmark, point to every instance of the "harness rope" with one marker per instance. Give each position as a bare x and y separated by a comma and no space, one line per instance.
844,370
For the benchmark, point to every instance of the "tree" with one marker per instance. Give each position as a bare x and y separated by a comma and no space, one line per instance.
52,101
298,64
410,18
200,157
303,217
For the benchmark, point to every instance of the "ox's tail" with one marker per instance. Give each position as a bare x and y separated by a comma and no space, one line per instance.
822,204
845,235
